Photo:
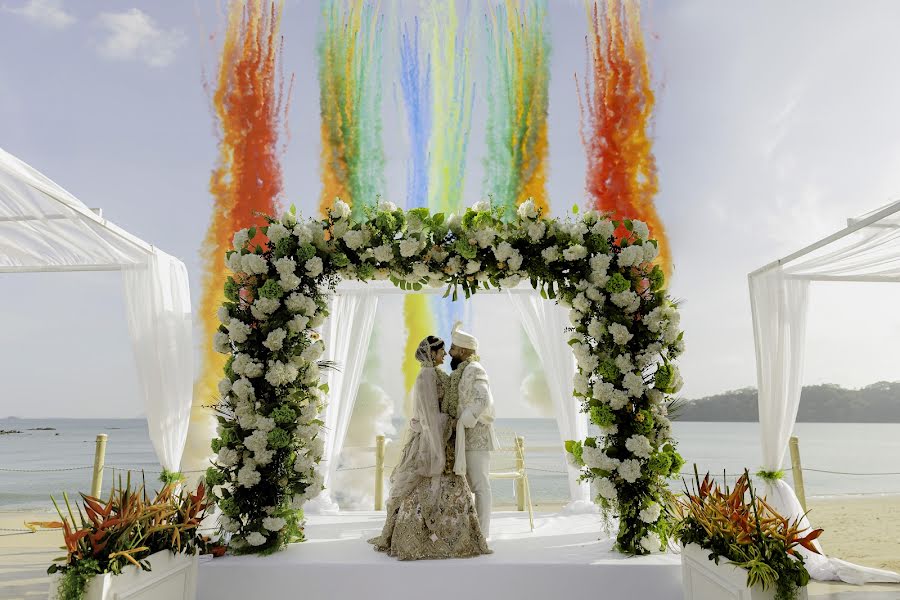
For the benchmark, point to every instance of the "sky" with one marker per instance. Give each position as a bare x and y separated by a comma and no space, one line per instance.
775,122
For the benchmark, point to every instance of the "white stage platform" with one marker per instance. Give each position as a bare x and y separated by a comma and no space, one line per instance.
563,559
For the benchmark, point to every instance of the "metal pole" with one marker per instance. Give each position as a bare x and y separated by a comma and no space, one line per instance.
797,471
379,472
99,459
520,467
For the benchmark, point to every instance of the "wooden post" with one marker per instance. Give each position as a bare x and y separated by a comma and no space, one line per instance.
99,459
379,472
520,467
797,471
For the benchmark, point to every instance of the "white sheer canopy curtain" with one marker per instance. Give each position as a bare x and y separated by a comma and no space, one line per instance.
545,324
158,306
346,335
868,250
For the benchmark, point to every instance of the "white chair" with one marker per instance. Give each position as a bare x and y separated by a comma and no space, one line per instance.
514,445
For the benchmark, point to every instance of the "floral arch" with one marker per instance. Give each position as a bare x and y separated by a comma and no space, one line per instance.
624,335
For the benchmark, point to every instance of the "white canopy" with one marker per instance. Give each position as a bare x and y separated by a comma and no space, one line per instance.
44,228
868,249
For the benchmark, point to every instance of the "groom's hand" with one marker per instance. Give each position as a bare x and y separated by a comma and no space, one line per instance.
468,419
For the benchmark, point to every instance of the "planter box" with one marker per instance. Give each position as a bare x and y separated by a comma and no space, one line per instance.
703,579
173,577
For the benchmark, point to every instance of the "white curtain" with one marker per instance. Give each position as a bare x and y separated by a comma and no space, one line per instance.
778,301
545,323
158,307
346,335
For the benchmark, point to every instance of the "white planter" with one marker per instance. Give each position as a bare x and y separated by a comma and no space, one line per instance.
173,577
703,579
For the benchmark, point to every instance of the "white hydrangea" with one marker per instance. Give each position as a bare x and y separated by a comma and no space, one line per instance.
339,210
277,232
299,304
588,363
275,339
581,303
285,266
595,458
640,229
243,389
255,538
651,513
627,301
385,205
245,365
578,231
656,396
289,282
257,441
482,206
651,542
262,308
303,233
234,263
254,264
605,488
223,316
228,524
596,328
354,239
633,384
639,445
313,351
650,252
550,254
247,475
594,294
265,424
227,457
630,470
303,462
576,252
314,266
224,386
485,237
620,333
602,391
473,266
317,447
280,373
238,331
537,230
221,343
240,239
383,253
631,256
581,384
623,362
604,228
503,251
274,523
454,222
409,247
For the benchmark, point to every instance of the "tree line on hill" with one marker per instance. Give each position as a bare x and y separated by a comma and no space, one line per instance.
826,403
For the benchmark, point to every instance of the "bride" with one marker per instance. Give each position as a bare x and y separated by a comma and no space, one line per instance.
430,512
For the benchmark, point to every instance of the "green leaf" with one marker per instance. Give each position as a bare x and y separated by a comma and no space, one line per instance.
251,233
628,225
293,209
324,387
417,286
575,208
437,219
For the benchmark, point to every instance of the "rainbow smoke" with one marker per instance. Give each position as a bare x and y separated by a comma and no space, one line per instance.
518,62
250,104
350,57
616,105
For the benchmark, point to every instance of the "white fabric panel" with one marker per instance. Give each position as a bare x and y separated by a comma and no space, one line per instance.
158,307
346,335
545,324
779,297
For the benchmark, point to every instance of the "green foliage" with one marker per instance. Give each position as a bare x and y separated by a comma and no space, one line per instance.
617,283
271,289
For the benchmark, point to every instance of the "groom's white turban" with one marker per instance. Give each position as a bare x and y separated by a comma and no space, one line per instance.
462,339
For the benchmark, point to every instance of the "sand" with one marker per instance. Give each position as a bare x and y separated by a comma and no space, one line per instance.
861,530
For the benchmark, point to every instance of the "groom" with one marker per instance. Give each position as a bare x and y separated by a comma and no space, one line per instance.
475,436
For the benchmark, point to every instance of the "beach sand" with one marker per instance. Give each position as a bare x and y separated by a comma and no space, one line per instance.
861,530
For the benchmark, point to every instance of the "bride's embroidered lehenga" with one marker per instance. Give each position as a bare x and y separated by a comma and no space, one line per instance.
430,511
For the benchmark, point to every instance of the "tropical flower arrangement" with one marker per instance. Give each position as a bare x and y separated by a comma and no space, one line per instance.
739,526
123,530
625,336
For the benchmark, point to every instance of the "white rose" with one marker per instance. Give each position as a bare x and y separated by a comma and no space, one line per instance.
650,252
482,206
262,308
339,210
298,323
503,251
576,252
631,256
604,228
354,239
537,230
580,382
630,470
243,389
485,237
233,262
256,538
620,334
606,488
274,523
527,210
277,232
303,233
248,476
238,331
640,229
473,266
409,247
275,339
596,329
515,261
510,281
640,446
384,253
313,351
651,542
550,254
387,206
650,514
254,264
240,239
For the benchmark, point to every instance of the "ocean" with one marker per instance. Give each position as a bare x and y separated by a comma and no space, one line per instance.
862,457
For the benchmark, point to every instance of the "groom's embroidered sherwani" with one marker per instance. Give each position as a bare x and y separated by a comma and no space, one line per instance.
475,435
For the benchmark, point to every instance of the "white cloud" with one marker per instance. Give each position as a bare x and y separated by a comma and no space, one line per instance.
47,13
135,35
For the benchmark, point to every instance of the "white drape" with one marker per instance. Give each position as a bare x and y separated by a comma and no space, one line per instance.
545,323
779,297
346,335
158,307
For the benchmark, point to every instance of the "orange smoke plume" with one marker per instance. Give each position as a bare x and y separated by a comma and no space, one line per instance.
616,106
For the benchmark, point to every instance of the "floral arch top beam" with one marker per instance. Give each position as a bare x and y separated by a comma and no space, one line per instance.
625,336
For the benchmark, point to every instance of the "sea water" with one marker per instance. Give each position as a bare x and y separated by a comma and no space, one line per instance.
36,464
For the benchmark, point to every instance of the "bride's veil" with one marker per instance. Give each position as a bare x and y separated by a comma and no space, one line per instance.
424,455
